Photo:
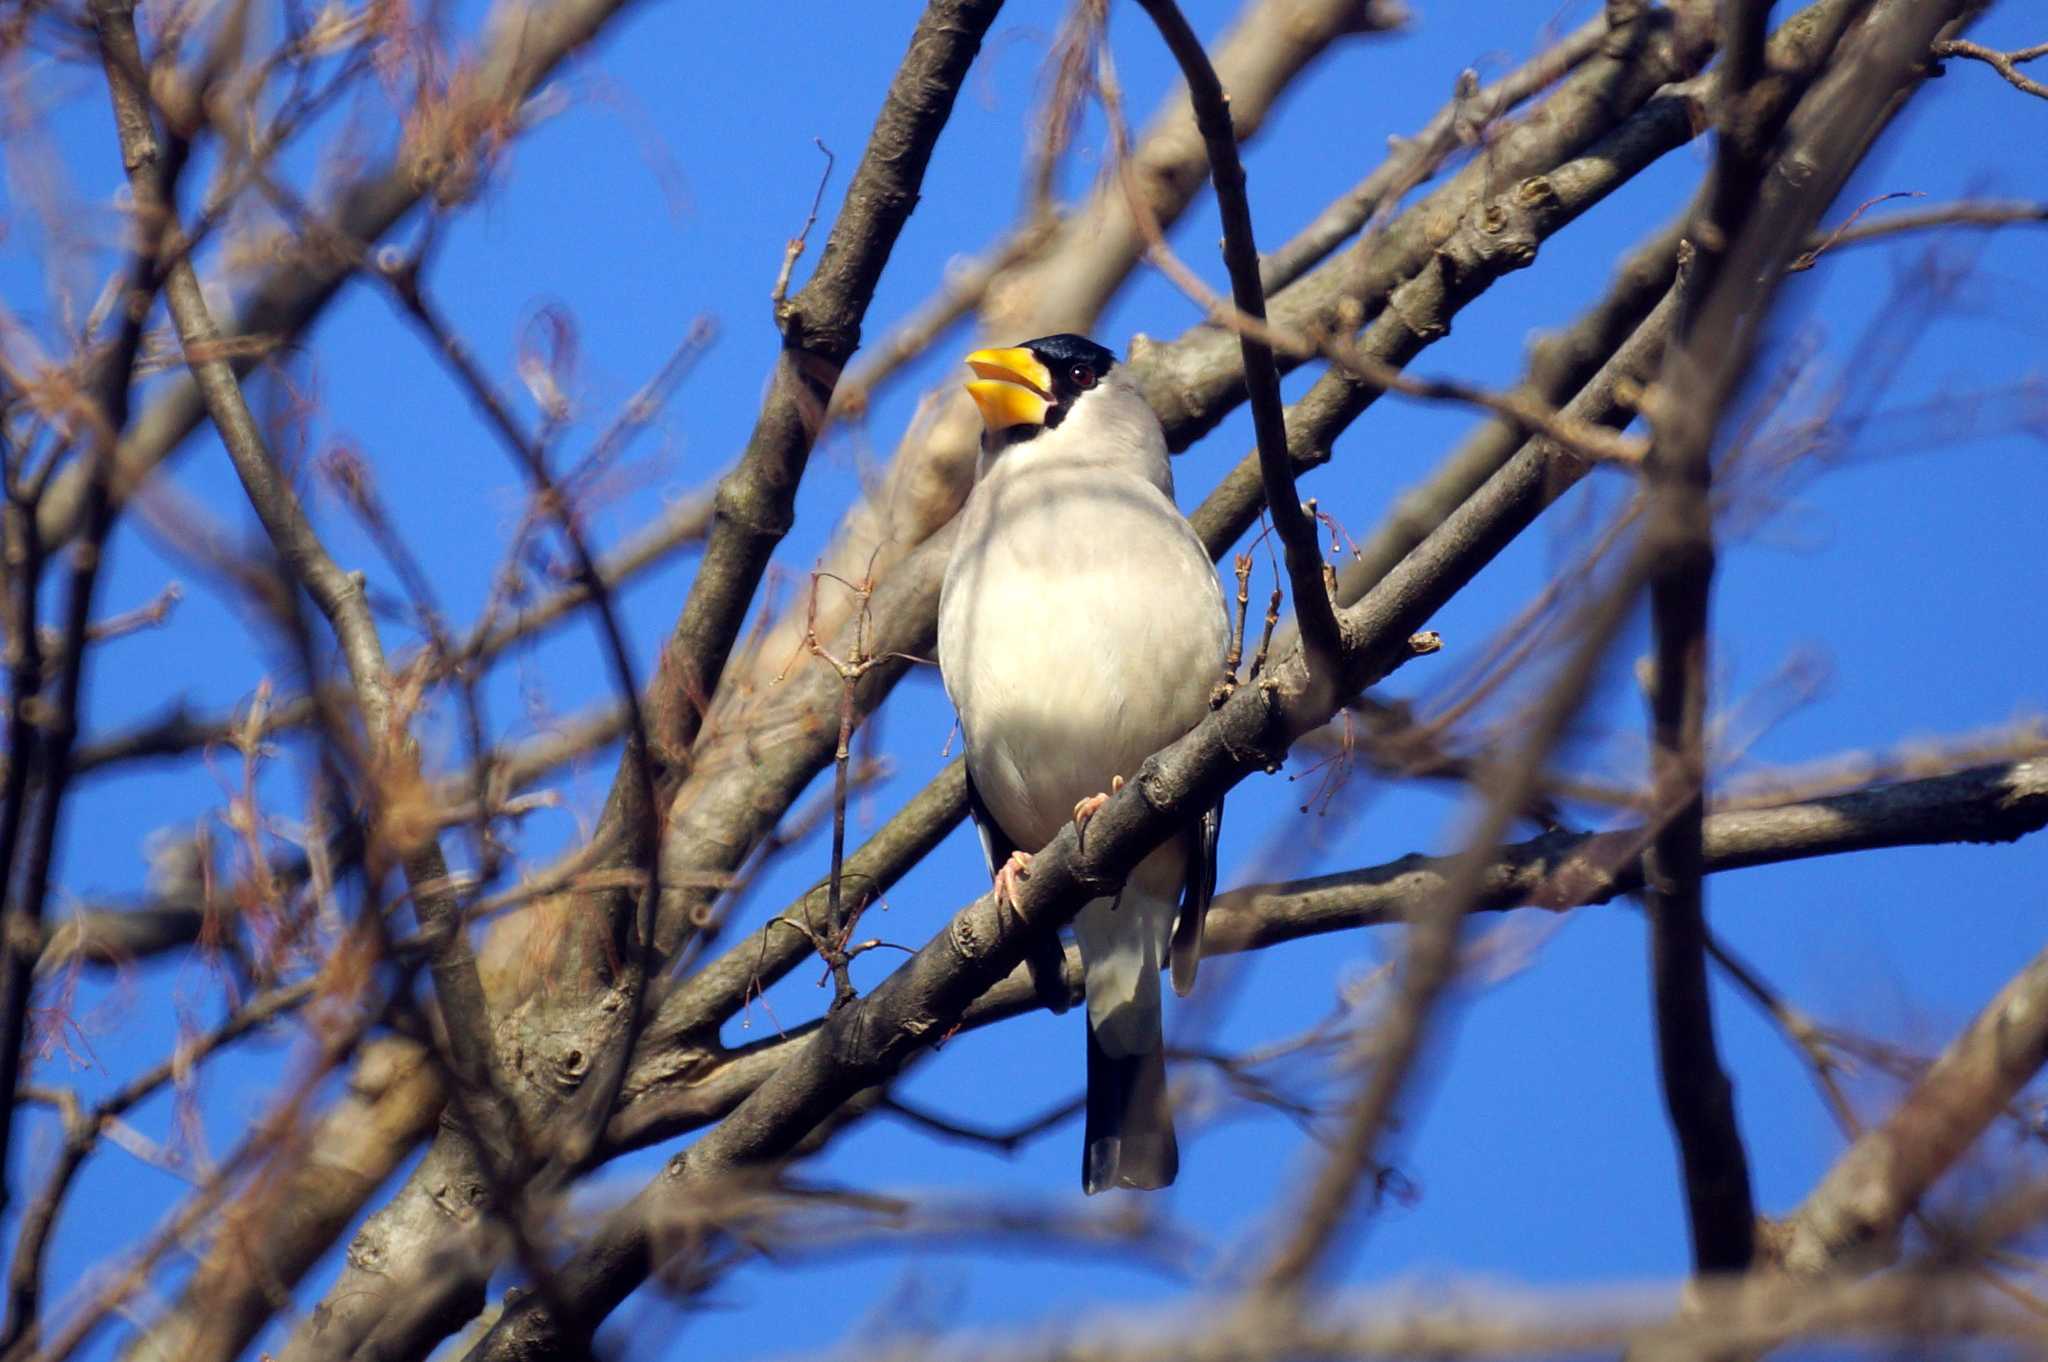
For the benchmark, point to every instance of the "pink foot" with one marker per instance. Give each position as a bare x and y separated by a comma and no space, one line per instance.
1018,867
1089,807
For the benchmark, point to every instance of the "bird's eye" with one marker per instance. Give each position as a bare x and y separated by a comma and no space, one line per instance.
1082,376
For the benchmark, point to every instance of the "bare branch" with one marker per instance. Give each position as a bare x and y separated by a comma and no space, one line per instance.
1562,870
1305,570
338,594
1911,1311
1989,213
1679,537
525,47
820,328
392,1101
24,1277
2007,64
678,1086
1469,117
1852,1220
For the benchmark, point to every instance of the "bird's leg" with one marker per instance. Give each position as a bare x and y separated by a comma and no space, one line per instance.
1087,808
1018,867
1044,957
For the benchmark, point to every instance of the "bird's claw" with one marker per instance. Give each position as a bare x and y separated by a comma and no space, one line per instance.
1087,808
1018,867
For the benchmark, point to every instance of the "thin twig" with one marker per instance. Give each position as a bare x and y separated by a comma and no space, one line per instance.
602,1086
1467,118
338,594
1325,1207
2005,63
1301,547
794,251
81,1134
1585,439
1965,213
839,919
43,730
1007,1141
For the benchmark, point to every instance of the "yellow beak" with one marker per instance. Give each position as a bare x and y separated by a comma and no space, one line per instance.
1014,388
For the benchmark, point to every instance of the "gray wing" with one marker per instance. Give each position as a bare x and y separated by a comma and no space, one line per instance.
1185,951
1044,956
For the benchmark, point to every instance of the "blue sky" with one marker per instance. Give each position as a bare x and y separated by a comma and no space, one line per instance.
1907,579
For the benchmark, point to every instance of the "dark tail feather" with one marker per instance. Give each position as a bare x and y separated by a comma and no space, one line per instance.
1130,1122
1184,952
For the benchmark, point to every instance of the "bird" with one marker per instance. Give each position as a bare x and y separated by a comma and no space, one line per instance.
1082,628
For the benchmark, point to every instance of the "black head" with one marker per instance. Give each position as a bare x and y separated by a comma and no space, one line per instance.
1025,389
1075,363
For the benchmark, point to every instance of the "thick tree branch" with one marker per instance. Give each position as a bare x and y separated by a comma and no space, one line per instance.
1420,282
674,1090
1985,804
820,330
391,1102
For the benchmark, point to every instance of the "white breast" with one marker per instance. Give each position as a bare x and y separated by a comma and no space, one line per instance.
1081,629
